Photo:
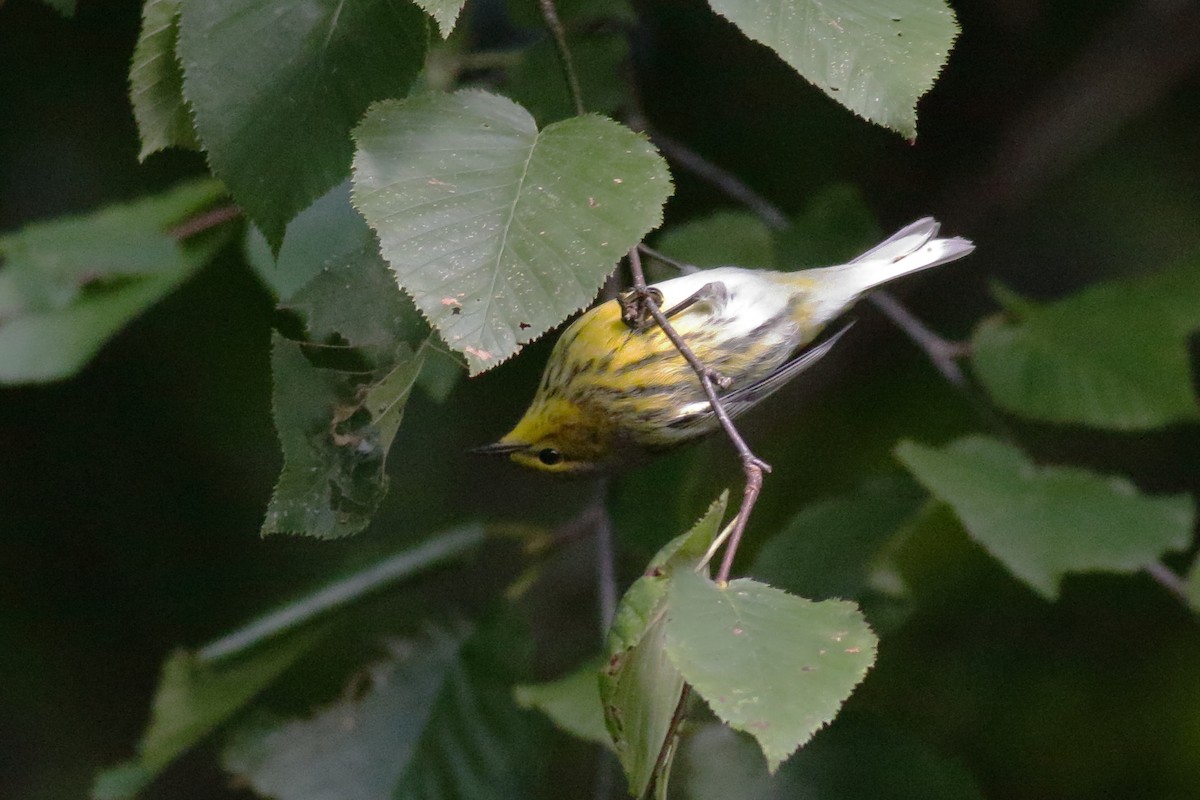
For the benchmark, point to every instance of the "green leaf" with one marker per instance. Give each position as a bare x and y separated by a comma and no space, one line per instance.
328,231
444,12
1192,584
497,230
1043,522
340,394
828,549
723,238
156,82
834,227
537,82
64,7
639,685
768,663
1113,356
874,58
571,702
335,435
276,85
854,759
194,697
437,721
68,285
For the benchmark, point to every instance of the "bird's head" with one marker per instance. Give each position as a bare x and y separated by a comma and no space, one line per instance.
557,436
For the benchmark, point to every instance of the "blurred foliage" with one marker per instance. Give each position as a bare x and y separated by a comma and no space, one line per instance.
132,493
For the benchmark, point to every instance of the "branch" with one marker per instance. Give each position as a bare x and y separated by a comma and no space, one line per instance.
559,34
1165,577
753,466
206,220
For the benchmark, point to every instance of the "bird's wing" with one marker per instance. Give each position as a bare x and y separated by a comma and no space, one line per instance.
746,397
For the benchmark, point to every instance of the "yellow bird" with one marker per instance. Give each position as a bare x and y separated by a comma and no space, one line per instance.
615,391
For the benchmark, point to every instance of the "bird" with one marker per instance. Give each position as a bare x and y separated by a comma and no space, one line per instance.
616,391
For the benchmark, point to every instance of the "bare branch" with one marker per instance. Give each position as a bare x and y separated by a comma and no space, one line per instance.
559,34
206,220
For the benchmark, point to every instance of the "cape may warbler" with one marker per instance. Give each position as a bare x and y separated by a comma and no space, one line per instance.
616,390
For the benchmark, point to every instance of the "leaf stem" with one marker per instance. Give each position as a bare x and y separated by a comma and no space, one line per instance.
206,220
1167,578
402,565
559,34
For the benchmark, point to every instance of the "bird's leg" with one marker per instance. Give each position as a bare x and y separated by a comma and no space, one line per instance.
636,316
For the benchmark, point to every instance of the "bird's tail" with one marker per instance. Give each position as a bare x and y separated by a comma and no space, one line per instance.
910,249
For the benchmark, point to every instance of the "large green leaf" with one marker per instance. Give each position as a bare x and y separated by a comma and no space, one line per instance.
639,685
1113,356
875,57
276,86
67,286
854,759
339,395
437,721
194,697
156,82
829,548
571,702
497,230
723,238
1043,522
768,663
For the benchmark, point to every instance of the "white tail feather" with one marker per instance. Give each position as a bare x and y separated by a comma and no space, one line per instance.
910,249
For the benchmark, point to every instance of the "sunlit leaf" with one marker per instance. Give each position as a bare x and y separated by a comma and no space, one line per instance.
1043,522
875,58
768,663
444,12
571,702
1113,356
276,85
639,685
67,286
156,82
497,230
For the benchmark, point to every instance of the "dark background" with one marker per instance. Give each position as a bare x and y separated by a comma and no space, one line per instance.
1061,137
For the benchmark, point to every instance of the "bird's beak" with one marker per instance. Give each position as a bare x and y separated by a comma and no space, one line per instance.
498,448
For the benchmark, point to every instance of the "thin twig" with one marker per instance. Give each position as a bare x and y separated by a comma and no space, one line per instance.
1167,578
723,179
753,466
679,266
606,567
940,351
204,221
668,742
559,34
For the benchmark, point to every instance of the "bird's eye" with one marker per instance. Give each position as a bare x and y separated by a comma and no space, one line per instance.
549,456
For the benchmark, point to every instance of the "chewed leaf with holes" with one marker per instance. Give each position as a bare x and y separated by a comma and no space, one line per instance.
768,663
875,58
639,686
500,231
